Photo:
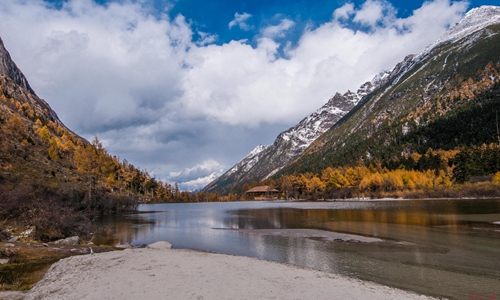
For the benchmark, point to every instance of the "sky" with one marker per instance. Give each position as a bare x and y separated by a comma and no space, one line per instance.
184,89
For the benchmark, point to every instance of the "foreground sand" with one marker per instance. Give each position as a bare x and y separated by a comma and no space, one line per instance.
160,273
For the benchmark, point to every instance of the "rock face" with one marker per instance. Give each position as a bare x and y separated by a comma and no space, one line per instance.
265,161
10,69
15,84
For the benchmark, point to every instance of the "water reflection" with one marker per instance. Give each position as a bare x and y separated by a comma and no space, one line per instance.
443,248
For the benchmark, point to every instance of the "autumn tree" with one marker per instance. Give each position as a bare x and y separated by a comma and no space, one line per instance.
92,162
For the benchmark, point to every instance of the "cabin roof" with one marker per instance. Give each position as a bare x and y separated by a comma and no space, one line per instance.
262,189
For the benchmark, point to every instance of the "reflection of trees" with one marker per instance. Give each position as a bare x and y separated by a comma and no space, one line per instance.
375,222
119,230
273,218
297,218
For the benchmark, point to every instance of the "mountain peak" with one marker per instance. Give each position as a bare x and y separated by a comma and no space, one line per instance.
9,68
475,19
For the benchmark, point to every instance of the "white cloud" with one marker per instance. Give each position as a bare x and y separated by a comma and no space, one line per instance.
344,12
237,84
277,30
374,11
144,86
199,175
206,38
240,21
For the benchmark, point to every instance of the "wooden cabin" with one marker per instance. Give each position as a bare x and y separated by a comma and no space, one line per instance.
263,192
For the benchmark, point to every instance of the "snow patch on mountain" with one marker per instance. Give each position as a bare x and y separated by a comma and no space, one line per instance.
248,161
469,27
475,20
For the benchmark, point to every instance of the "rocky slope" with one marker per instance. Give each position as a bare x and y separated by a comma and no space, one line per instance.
399,116
15,85
22,115
265,161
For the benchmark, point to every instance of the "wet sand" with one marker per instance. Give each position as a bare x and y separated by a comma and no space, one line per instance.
312,234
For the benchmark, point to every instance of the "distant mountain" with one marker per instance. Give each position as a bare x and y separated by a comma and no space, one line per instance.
264,161
445,97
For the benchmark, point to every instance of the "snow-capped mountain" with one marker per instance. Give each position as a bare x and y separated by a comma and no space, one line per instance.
469,28
415,94
475,20
410,84
248,161
265,161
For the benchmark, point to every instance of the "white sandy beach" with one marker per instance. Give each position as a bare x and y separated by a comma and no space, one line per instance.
161,273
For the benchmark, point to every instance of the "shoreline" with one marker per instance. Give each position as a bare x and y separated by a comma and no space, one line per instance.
157,272
388,199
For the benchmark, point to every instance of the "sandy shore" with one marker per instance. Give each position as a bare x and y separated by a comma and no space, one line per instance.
162,273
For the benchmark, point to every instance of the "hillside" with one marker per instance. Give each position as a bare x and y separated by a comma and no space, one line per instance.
52,179
423,91
25,153
445,98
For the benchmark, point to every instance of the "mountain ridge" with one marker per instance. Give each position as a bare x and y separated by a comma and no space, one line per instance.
265,161
9,68
474,24
418,92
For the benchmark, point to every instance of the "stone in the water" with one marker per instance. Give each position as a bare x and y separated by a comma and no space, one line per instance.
161,245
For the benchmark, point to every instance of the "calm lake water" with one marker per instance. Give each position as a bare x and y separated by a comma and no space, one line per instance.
447,248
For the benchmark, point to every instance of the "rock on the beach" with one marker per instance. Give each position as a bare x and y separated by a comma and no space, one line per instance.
160,246
74,240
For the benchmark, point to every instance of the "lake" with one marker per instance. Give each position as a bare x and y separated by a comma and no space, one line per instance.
446,248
